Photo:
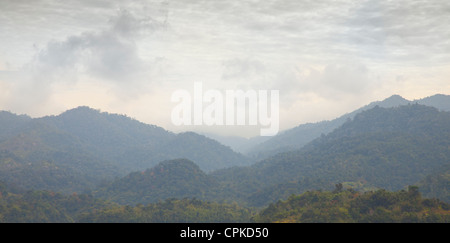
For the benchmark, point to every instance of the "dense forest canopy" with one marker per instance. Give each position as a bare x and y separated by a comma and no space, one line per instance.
334,206
349,206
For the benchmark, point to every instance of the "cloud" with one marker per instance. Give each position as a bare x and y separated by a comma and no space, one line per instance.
242,69
317,53
338,80
401,32
110,54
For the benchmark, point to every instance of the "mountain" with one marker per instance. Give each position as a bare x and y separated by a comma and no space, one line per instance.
370,160
440,101
40,156
213,155
109,135
178,178
379,148
387,148
134,145
299,136
82,147
207,153
11,123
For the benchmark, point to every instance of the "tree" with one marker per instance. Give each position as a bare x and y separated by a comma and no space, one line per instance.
338,188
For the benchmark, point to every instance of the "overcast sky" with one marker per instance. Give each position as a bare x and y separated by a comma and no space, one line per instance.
325,57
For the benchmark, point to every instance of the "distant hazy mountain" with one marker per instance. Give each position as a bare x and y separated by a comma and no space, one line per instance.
81,147
109,135
440,101
207,153
299,136
40,156
388,148
371,147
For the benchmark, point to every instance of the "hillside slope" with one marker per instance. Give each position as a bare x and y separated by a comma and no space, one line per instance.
380,148
299,136
178,178
79,148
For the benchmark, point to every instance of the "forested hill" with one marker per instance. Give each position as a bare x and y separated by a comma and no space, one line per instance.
178,178
108,135
386,148
134,145
11,123
374,158
79,148
301,135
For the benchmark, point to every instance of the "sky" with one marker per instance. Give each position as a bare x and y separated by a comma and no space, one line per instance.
326,58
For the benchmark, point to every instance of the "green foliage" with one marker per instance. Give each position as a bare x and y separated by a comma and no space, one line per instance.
45,206
340,206
349,206
48,207
172,211
437,185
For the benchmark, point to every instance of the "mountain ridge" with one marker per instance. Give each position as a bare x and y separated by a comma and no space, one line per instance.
382,147
86,146
297,137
